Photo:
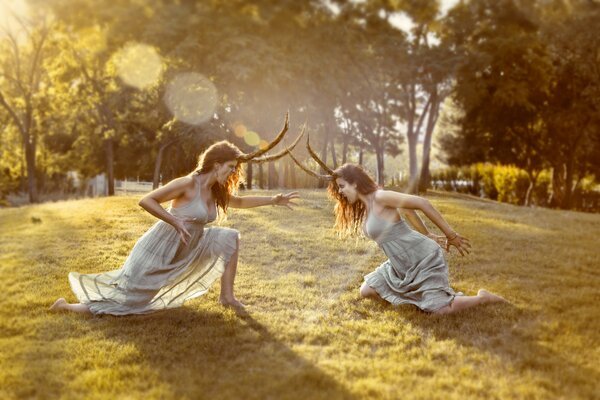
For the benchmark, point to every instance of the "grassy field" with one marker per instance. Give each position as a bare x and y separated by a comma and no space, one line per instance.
306,335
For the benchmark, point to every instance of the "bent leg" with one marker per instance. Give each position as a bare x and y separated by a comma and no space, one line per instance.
227,298
463,302
367,291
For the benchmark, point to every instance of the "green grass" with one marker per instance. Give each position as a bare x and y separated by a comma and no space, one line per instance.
307,335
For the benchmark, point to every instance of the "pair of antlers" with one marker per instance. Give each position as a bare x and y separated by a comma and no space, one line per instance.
328,177
257,156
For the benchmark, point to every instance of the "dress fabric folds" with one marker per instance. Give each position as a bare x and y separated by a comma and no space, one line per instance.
161,271
416,271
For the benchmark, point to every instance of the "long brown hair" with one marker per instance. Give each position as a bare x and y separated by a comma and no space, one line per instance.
221,152
349,217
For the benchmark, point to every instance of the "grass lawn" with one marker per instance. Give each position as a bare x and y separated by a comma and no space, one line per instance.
306,335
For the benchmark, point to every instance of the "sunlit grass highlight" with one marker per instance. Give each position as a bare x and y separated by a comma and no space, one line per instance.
307,335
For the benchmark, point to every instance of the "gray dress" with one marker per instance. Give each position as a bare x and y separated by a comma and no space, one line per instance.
161,271
415,272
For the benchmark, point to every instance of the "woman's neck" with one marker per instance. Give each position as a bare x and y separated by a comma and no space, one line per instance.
366,199
207,180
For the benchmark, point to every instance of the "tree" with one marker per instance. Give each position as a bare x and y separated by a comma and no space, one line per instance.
21,77
502,83
573,113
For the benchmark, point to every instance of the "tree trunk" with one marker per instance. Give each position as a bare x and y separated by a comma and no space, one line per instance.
558,183
110,173
23,164
412,137
424,176
158,163
380,167
333,156
360,155
249,176
286,173
412,157
261,176
281,176
345,150
272,181
324,159
532,181
292,170
31,171
567,202
29,144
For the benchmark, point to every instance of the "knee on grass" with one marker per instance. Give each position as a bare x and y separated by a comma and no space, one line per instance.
367,291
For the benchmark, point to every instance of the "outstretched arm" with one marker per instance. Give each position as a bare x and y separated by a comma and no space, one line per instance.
415,220
417,223
284,200
411,202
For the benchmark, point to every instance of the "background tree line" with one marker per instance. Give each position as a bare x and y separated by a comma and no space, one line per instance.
515,82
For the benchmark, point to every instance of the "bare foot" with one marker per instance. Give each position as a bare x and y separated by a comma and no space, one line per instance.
231,302
490,297
58,305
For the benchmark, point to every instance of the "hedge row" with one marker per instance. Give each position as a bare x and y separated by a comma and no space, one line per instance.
509,184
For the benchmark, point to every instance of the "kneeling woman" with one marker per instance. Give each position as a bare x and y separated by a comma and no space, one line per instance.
179,258
416,271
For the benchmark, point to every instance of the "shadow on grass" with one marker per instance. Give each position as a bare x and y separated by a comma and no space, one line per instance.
219,355
179,353
515,337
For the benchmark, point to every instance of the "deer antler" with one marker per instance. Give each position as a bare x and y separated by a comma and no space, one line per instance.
308,171
281,153
260,152
316,158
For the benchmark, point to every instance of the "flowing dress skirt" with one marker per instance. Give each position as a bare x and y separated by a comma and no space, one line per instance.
415,272
160,272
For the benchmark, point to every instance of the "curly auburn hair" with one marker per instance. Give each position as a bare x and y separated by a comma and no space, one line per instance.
349,217
221,152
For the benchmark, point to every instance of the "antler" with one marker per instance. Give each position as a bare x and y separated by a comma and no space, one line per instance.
260,152
316,158
308,171
281,153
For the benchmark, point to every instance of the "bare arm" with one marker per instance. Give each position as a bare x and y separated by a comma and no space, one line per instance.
258,201
415,220
406,201
417,223
172,190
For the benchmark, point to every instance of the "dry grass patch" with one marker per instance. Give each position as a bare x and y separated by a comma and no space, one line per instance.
306,333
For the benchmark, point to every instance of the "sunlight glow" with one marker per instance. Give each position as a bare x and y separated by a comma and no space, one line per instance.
240,130
191,97
252,139
138,65
10,13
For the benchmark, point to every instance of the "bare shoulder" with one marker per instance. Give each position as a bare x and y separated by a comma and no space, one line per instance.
184,182
178,187
382,195
394,199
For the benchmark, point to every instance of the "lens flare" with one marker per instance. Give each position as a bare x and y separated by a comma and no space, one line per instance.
252,138
240,130
138,65
191,97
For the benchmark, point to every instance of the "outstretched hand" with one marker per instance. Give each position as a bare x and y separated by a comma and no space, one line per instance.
285,200
461,243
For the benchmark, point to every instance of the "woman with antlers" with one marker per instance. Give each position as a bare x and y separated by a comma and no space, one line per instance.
178,258
416,271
